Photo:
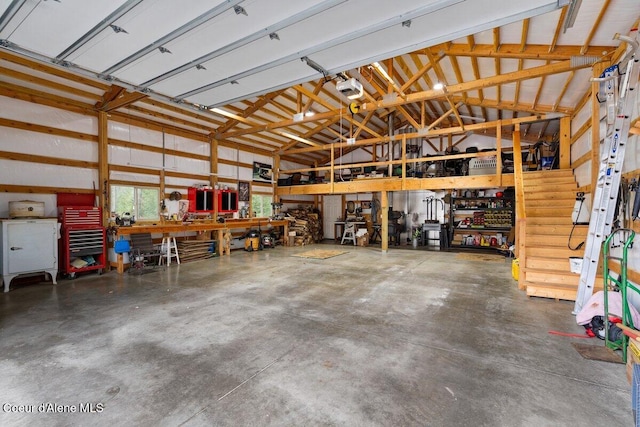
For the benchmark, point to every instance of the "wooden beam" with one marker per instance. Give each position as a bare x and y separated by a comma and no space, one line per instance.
103,166
52,70
48,160
48,83
531,73
32,127
122,100
565,143
514,51
556,33
384,229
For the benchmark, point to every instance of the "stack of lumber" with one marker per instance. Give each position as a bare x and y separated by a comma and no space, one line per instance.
307,224
193,250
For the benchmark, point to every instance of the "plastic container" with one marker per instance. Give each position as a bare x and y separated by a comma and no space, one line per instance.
515,269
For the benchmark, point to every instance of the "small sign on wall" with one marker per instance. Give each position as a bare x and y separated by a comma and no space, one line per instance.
262,172
244,191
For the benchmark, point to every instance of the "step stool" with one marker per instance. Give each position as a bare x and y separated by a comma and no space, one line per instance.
349,234
171,247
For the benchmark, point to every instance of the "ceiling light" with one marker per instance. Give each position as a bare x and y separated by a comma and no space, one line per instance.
117,29
438,86
309,113
239,10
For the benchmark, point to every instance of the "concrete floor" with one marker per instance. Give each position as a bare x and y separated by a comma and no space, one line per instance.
404,338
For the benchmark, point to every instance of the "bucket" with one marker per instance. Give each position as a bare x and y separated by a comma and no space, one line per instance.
575,264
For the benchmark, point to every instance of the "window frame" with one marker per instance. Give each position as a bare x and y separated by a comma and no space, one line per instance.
253,205
136,199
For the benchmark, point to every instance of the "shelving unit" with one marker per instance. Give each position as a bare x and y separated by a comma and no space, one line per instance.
479,222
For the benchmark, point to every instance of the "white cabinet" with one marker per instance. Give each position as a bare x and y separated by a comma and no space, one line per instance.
28,246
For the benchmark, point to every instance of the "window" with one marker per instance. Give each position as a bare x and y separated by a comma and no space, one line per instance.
261,204
141,202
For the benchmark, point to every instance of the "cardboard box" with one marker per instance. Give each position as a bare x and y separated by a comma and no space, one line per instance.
633,358
363,240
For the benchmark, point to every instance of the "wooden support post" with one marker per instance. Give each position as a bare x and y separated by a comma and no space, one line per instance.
499,154
384,230
213,168
404,162
521,221
276,175
332,170
565,143
103,166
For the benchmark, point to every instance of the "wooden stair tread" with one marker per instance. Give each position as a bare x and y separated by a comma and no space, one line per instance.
548,220
552,172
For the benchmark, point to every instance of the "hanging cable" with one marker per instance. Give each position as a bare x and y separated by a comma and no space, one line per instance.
575,222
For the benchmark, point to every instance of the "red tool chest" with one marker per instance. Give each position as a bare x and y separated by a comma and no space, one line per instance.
83,244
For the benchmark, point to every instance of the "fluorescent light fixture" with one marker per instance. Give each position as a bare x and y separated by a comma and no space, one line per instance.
475,119
294,137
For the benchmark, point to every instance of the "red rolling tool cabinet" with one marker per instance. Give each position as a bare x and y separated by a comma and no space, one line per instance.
83,242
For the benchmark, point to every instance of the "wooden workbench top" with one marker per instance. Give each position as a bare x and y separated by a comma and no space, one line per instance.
200,226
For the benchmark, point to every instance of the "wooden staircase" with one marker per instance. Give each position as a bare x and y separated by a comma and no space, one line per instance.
549,197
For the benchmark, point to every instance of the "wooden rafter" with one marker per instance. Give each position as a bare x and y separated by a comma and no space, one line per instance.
516,95
524,34
556,33
564,89
438,71
498,68
594,28
256,106
539,91
511,77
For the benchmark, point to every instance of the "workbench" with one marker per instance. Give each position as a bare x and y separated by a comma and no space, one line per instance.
170,228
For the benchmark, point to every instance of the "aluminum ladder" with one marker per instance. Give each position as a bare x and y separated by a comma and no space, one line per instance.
620,102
